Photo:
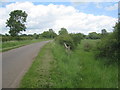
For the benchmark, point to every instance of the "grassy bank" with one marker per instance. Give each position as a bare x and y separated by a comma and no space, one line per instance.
81,69
55,68
15,44
38,76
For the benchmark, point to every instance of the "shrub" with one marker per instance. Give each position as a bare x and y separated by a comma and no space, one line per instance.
76,38
61,39
107,47
7,38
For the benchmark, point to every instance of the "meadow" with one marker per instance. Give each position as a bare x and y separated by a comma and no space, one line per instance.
75,69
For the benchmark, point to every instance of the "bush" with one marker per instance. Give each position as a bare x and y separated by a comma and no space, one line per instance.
61,39
107,47
71,40
93,35
7,38
76,38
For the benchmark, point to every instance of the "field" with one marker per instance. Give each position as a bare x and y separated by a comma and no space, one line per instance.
5,46
56,68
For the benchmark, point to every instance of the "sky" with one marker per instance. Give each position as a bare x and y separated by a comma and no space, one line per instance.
83,17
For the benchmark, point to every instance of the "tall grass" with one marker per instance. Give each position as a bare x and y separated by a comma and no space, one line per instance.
56,68
80,69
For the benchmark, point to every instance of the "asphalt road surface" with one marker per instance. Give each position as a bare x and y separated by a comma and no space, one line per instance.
16,62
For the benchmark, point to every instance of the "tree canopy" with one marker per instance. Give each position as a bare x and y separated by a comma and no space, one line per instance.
16,22
49,34
63,31
103,31
94,35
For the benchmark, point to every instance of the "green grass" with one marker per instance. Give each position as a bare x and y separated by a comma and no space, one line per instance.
56,68
38,76
5,46
80,69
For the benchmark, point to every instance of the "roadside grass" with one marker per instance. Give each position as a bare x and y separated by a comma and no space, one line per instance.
80,69
56,68
38,76
5,46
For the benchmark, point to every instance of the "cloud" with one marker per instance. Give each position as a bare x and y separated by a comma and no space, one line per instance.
93,0
42,17
113,7
62,0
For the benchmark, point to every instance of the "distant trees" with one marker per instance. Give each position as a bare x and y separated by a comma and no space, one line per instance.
36,36
7,37
16,22
49,34
93,35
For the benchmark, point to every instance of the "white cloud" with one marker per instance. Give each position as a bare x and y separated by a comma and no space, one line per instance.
43,17
110,8
62,0
93,0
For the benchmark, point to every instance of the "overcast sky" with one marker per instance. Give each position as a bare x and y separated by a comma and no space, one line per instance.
83,17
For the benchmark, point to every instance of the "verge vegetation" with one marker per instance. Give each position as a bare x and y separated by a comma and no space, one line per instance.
80,68
39,74
76,69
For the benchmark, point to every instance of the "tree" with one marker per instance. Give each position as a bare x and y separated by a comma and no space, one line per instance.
93,35
63,31
36,36
77,37
103,31
66,39
16,22
49,34
52,34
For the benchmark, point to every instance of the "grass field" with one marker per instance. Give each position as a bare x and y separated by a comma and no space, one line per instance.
15,44
77,69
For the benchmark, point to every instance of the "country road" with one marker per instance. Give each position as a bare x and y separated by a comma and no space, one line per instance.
16,62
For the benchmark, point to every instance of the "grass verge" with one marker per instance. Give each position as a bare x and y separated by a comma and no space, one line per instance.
5,46
55,68
38,76
80,69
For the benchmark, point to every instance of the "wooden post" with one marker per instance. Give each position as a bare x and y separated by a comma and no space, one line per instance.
67,47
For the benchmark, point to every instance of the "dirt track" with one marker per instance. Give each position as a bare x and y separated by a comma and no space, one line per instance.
16,62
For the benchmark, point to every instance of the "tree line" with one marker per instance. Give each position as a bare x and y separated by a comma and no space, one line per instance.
17,23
